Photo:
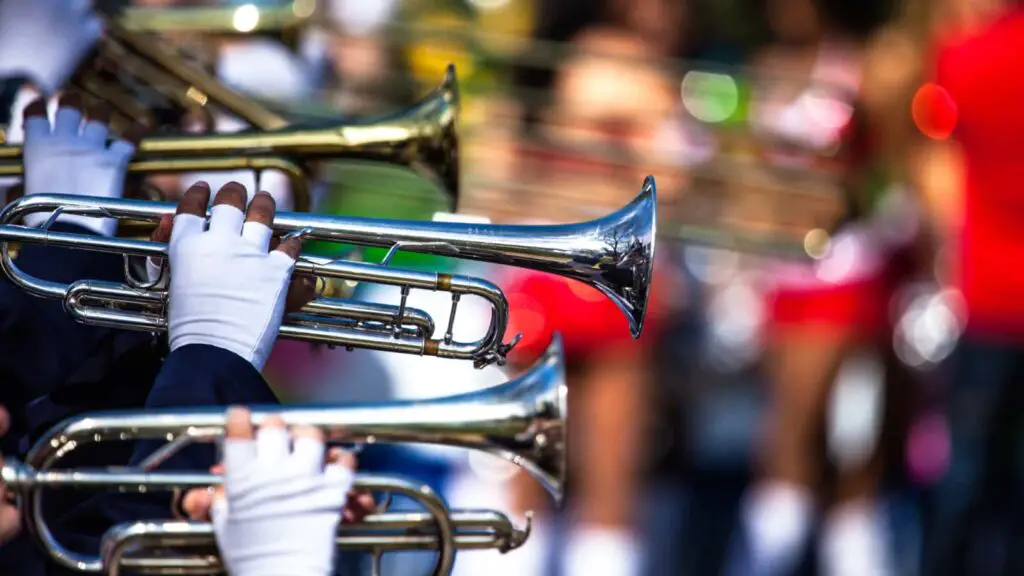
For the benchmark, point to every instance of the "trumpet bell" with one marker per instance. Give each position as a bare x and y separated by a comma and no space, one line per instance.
626,267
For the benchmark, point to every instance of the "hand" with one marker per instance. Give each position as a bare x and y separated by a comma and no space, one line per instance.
73,158
278,510
301,290
226,289
46,39
10,520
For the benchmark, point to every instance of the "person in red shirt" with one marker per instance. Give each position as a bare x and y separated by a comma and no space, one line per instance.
974,116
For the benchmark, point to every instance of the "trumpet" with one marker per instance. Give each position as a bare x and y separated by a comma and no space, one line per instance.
522,421
220,20
422,137
614,254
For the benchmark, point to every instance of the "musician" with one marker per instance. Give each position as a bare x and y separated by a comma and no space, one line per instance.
226,303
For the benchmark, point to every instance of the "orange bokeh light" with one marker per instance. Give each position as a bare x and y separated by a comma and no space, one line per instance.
934,111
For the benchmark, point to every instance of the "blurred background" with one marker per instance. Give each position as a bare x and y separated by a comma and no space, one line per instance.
785,410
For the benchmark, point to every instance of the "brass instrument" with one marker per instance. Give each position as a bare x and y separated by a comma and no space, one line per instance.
421,137
522,421
219,20
614,254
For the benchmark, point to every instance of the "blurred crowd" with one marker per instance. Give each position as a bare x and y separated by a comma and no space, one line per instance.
826,382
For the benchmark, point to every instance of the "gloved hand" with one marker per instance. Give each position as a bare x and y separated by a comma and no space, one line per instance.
280,506
46,40
226,289
73,158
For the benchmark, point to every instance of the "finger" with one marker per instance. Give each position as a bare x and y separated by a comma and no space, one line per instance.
228,209
122,149
340,469
239,424
366,501
272,441
10,522
239,448
307,450
301,291
258,221
197,503
162,232
5,421
191,214
96,128
35,120
292,248
69,115
342,459
195,200
358,505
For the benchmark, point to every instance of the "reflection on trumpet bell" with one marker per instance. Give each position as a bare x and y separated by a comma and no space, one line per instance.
422,137
522,421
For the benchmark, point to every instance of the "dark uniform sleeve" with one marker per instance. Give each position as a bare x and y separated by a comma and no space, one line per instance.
193,375
44,349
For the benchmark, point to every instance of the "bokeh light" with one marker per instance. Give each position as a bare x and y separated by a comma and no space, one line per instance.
934,111
710,97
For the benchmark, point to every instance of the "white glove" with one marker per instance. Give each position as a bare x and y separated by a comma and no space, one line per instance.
73,158
281,508
226,290
45,40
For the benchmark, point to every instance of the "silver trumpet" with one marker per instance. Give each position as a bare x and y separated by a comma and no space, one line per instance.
522,421
614,254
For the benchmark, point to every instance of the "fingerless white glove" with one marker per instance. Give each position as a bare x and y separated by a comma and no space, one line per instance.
45,40
226,290
73,158
281,509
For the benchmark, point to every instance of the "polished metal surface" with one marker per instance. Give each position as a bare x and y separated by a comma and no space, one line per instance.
522,421
614,254
422,137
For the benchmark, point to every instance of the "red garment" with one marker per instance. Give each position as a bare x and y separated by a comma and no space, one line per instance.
980,71
851,290
541,304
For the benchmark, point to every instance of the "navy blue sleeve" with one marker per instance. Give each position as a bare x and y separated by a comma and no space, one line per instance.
43,347
202,375
193,375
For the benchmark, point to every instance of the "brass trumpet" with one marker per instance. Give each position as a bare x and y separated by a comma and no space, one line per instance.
614,254
522,421
421,137
219,20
